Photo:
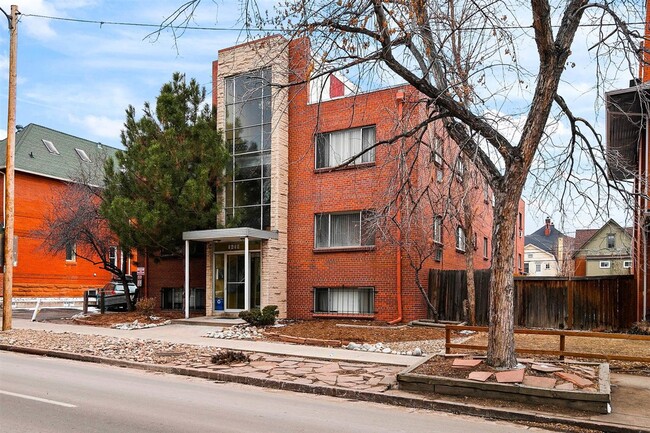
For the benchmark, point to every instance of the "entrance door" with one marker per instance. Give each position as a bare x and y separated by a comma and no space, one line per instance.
235,297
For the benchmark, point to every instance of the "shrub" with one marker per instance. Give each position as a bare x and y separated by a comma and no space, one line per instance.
229,357
264,317
146,306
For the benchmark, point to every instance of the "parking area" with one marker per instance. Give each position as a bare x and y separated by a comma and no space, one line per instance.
45,314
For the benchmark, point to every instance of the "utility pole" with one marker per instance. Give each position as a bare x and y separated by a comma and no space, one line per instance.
9,172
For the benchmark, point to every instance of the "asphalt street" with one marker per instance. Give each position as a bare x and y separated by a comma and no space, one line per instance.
53,395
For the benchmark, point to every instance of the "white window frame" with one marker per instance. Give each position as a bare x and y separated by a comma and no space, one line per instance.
353,147
605,264
627,264
547,266
436,154
612,237
486,245
363,223
71,252
346,300
461,239
437,229
538,267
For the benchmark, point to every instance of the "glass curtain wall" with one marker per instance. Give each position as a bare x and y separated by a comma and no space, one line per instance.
248,136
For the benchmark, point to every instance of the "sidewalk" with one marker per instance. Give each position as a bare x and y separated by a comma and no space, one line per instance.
339,372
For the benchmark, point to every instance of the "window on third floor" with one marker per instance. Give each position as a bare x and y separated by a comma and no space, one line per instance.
336,148
611,241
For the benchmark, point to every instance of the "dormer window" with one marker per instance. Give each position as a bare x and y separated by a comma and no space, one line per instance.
82,155
50,146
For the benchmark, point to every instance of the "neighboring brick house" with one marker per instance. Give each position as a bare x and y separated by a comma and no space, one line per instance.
45,161
548,252
604,251
628,155
300,234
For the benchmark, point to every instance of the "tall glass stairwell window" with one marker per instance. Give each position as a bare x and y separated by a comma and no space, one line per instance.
248,135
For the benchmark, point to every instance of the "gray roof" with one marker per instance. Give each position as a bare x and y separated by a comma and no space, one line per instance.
32,155
547,243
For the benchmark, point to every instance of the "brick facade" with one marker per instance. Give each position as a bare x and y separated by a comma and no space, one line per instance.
39,273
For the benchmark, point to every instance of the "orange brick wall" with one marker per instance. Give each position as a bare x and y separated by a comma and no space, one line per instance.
39,273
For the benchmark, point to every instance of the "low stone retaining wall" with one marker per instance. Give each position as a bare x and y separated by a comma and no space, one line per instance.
599,401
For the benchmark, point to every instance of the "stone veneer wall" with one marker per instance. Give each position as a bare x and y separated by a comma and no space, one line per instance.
269,52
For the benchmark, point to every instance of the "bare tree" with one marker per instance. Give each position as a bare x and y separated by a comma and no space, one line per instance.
75,222
491,74
413,40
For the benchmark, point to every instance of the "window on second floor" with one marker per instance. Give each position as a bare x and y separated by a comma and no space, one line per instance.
627,264
547,266
335,148
611,240
538,267
605,264
460,238
437,229
486,248
70,252
341,230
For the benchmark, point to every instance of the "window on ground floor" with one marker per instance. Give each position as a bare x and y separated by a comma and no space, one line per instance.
627,264
605,264
344,300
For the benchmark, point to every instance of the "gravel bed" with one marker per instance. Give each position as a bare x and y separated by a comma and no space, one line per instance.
149,351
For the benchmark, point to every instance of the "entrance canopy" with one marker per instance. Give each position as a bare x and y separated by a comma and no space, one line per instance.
223,235
229,235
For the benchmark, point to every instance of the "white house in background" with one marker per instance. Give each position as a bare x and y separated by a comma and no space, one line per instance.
539,263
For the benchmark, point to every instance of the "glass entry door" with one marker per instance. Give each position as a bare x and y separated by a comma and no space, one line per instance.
235,297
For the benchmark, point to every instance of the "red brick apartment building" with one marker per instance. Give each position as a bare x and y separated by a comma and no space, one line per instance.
45,161
307,237
628,142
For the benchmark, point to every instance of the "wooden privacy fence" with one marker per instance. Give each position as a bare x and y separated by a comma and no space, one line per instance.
562,343
557,302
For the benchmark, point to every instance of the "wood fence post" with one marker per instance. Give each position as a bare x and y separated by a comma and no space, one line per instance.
102,305
447,340
562,346
569,301
85,310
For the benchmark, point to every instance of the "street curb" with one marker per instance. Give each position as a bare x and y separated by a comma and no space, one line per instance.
374,397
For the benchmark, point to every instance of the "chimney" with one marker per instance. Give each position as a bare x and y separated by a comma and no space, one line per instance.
547,229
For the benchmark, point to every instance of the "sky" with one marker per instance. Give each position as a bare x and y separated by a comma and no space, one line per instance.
79,77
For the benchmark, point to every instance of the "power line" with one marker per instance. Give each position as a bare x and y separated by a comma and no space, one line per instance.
227,29
160,26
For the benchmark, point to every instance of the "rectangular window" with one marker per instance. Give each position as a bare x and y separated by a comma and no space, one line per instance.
437,229
526,268
439,175
605,264
248,138
340,230
344,300
436,152
335,148
611,240
460,238
530,255
547,266
112,256
627,264
486,192
538,267
486,248
460,167
70,252
437,255
519,261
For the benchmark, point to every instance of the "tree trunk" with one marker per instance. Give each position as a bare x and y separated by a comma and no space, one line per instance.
501,342
470,242
127,292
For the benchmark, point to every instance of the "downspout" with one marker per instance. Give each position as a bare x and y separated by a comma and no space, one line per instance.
644,227
398,259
